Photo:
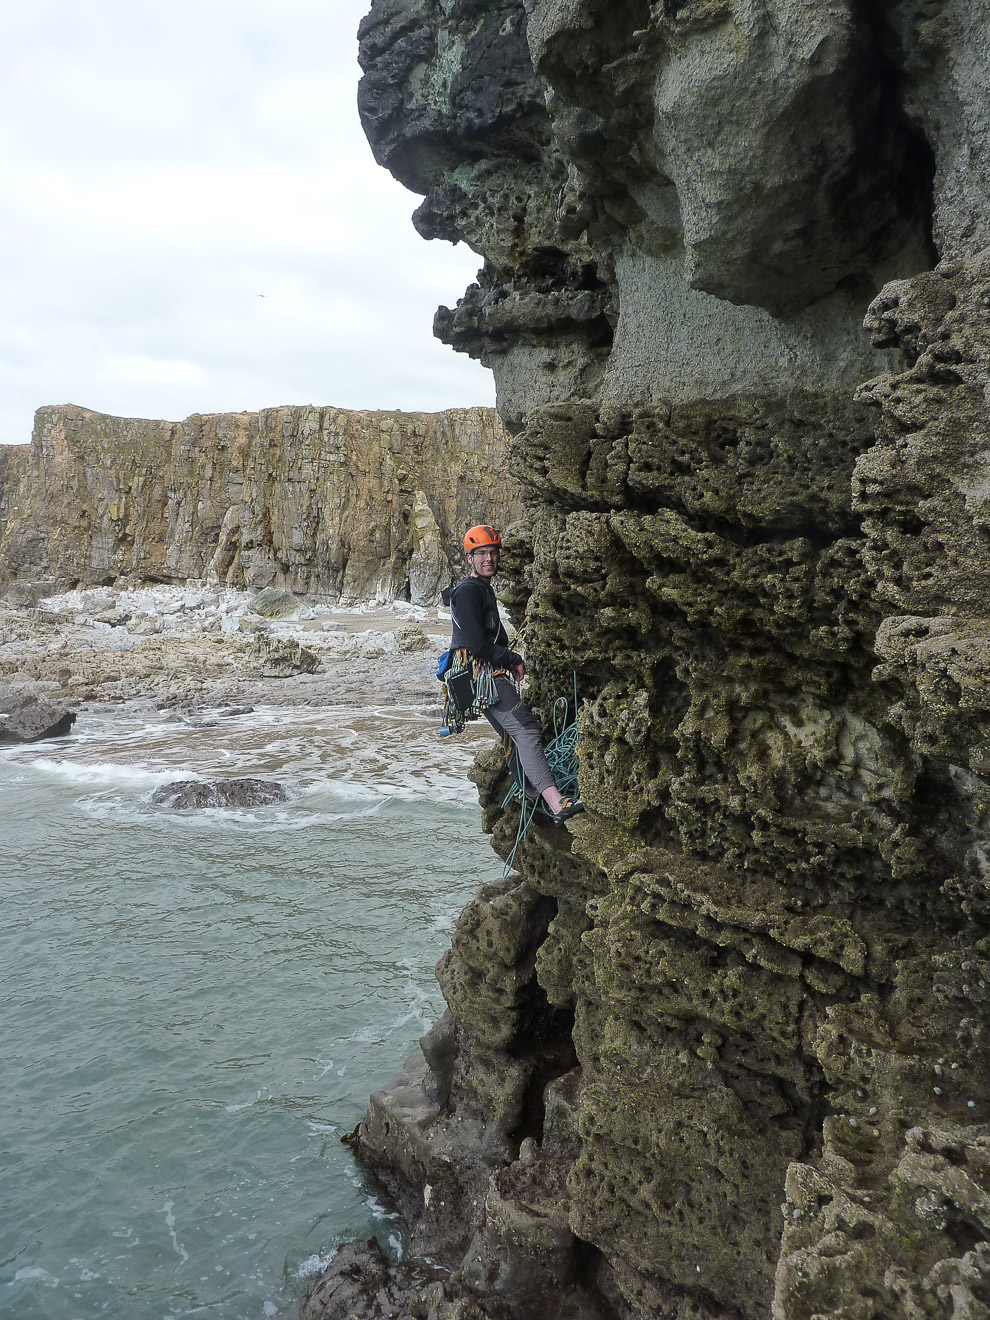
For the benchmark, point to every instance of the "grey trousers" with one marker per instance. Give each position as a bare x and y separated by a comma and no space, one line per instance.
511,715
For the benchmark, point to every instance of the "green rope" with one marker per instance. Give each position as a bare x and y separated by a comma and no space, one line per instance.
561,754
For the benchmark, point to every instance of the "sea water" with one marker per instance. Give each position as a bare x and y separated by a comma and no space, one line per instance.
195,1006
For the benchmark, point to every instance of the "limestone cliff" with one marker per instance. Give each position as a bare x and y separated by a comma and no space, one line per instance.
347,505
722,1047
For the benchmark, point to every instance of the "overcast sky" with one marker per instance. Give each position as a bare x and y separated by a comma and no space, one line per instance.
164,164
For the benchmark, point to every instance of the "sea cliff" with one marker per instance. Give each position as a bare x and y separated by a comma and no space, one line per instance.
719,1048
349,506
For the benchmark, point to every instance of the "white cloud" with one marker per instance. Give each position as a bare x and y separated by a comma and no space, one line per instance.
163,166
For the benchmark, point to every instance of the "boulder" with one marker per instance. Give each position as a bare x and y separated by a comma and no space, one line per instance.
248,625
360,1284
273,603
28,593
411,637
184,794
144,625
26,715
284,658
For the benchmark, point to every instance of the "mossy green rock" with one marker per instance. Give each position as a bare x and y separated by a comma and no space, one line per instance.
731,1021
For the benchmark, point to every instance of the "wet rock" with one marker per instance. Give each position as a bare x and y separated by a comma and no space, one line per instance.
184,794
361,1285
28,716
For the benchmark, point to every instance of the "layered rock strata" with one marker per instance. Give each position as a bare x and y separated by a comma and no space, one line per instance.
324,501
720,1048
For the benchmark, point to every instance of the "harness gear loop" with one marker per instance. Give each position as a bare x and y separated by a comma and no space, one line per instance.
468,689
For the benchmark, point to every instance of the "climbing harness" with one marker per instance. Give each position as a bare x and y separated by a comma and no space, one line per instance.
468,689
561,754
468,685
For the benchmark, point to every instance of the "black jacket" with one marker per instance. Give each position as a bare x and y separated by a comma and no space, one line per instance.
477,627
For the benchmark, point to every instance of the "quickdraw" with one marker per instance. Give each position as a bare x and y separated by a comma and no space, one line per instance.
468,687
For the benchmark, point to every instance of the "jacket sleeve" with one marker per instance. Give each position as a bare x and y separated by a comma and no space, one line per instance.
470,608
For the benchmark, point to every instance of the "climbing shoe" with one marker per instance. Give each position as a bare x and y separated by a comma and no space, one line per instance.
568,807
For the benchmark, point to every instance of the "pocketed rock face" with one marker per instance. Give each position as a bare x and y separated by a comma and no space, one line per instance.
596,156
348,505
897,1207
719,1048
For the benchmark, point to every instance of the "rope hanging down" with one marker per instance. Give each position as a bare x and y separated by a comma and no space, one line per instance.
561,754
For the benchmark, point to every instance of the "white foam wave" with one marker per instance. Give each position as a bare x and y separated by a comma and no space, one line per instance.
337,761
35,1274
180,1250
367,1036
368,797
422,1010
98,774
318,1263
273,821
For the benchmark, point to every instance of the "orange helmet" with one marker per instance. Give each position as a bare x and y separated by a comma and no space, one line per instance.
476,537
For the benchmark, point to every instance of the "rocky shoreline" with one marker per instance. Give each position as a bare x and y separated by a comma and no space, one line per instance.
190,648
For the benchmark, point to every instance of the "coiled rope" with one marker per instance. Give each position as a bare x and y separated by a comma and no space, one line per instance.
561,754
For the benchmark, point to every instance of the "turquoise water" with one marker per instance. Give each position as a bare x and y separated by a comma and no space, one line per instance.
195,1006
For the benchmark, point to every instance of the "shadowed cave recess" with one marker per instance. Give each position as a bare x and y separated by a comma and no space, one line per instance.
718,1049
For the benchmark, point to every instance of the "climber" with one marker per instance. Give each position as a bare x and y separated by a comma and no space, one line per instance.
478,631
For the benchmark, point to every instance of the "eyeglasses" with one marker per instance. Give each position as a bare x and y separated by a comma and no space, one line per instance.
485,554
